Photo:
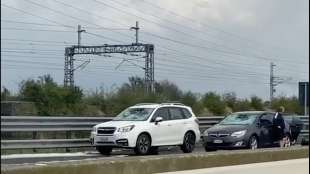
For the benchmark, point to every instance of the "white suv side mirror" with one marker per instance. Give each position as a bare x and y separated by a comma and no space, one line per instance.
158,119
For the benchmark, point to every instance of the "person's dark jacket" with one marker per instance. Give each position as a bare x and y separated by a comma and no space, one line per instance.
279,121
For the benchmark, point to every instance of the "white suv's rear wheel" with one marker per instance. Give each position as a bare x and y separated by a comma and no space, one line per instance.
143,144
188,142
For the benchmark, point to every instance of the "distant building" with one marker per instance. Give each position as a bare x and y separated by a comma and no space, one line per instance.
303,90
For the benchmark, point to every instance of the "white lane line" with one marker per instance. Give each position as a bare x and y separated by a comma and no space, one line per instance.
43,155
87,159
40,164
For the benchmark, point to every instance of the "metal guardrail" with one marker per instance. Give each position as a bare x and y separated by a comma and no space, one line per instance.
10,124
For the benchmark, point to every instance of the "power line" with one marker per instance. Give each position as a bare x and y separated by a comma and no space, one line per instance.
61,50
25,12
31,62
29,52
109,38
36,57
105,37
31,23
212,49
27,49
70,16
175,30
162,71
197,57
170,49
223,63
174,69
33,44
208,26
161,37
88,12
40,41
52,25
28,29
175,23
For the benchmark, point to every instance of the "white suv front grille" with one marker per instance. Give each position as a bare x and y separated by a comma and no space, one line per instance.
106,130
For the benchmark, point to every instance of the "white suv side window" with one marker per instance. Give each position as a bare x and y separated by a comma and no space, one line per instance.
161,112
186,113
176,113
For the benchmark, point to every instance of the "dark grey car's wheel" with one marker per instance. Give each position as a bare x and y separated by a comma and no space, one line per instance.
253,142
104,150
287,140
143,145
188,143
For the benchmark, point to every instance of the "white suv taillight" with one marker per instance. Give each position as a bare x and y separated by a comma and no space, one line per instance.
197,121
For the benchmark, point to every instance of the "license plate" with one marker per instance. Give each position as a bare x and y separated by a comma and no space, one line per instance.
218,141
104,139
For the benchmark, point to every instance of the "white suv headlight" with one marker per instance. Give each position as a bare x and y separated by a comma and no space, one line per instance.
126,128
238,134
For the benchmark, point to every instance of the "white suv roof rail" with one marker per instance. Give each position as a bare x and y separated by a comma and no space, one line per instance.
173,103
139,104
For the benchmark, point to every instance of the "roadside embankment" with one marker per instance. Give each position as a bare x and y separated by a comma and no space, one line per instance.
162,163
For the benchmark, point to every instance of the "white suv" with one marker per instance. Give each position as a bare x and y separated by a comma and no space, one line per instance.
146,126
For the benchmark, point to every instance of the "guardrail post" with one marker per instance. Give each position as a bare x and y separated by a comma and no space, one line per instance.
68,136
34,136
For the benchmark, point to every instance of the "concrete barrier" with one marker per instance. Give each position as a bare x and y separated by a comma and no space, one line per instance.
162,163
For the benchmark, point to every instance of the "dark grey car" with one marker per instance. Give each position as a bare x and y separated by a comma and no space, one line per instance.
251,129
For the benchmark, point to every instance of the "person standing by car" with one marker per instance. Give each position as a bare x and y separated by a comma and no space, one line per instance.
279,126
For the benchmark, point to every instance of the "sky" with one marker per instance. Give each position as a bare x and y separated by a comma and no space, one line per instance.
200,45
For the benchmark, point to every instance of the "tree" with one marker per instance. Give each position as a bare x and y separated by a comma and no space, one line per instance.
230,99
49,98
214,103
257,103
243,105
290,104
168,91
5,94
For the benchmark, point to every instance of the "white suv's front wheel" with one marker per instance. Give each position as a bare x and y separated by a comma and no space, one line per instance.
104,150
188,142
143,144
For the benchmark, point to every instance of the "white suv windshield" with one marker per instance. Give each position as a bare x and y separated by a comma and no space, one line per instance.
134,114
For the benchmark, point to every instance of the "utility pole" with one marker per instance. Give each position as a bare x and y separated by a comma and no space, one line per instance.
69,62
272,84
305,103
79,34
137,31
274,81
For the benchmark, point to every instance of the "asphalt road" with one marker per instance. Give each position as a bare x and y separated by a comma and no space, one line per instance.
297,166
43,159
56,157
